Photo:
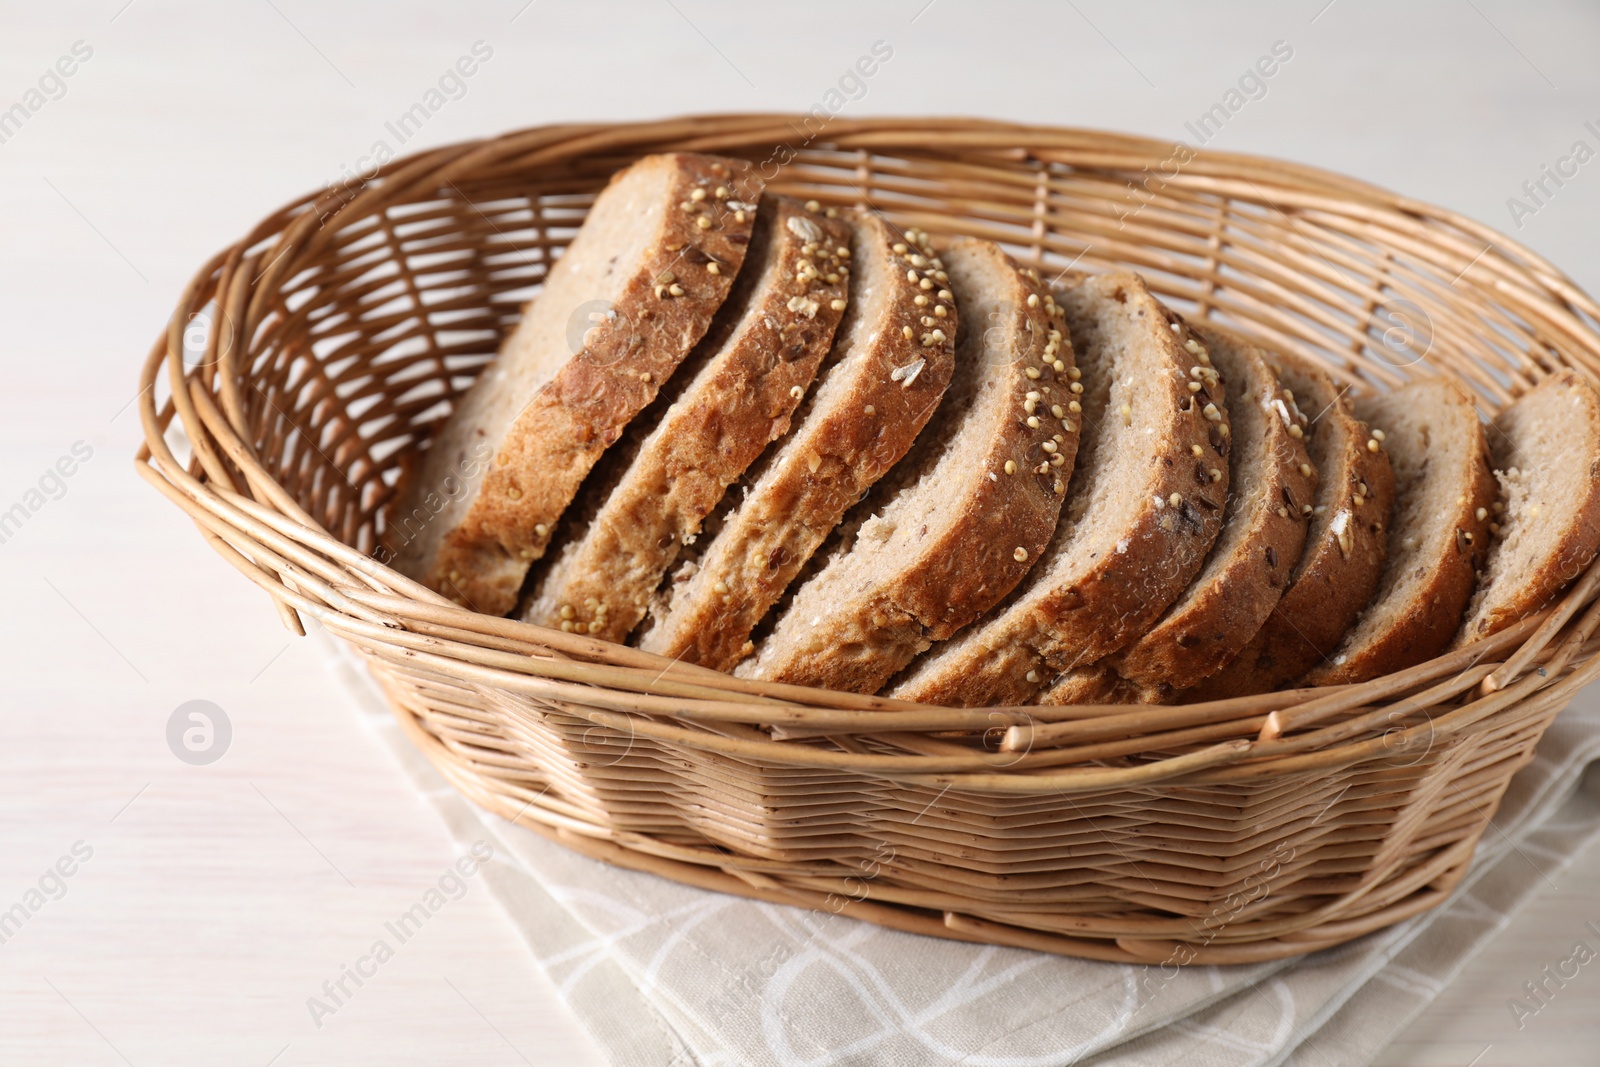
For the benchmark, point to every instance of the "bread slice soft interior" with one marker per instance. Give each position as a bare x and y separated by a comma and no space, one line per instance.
961,519
1438,535
1270,490
1138,518
732,397
1546,522
1343,558
882,381
636,289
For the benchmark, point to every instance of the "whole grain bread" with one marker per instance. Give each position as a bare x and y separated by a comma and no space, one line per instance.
890,365
960,520
1545,527
1271,485
1141,511
733,396
1438,535
1346,544
637,288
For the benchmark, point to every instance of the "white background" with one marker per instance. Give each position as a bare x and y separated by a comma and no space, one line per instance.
219,898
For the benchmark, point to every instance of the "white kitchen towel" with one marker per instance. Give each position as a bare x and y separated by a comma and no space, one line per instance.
662,973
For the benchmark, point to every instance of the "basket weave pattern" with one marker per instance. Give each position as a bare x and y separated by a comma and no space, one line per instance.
340,327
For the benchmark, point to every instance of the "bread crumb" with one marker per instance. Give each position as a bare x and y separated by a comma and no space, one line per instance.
877,528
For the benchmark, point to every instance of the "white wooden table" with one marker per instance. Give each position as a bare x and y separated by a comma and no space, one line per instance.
216,899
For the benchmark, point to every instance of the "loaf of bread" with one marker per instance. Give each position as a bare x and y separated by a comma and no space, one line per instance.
652,264
799,444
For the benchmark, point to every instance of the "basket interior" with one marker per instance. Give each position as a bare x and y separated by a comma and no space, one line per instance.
364,348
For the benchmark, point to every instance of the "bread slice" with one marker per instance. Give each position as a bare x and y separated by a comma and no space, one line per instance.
1141,511
890,365
961,519
1271,485
1546,524
744,381
1346,544
652,263
1438,536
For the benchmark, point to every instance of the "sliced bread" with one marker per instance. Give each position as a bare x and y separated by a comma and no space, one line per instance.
1141,511
1346,544
653,262
961,519
1271,485
890,365
1438,535
1546,524
744,381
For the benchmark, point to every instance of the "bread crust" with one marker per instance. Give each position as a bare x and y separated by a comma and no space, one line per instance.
481,559
1538,581
1337,574
1408,630
1234,593
1090,608
756,370
891,593
836,451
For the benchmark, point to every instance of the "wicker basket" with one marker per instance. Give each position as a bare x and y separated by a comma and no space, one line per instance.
305,362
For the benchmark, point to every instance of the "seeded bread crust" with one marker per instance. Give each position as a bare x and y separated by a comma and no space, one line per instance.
1263,533
885,376
1437,542
972,505
548,414
749,374
1546,453
1122,552
1343,558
